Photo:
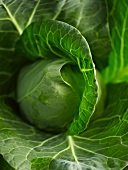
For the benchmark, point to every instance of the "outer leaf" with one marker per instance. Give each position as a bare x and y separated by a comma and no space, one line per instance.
16,137
52,39
117,70
103,146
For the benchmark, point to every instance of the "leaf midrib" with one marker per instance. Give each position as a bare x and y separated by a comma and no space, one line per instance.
122,40
13,20
71,144
32,14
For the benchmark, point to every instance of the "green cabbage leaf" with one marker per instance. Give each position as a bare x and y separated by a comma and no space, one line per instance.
85,43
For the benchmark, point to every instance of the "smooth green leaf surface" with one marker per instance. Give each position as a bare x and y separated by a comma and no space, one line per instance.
117,70
51,101
54,39
102,146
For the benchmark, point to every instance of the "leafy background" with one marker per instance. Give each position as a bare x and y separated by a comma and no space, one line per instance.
104,144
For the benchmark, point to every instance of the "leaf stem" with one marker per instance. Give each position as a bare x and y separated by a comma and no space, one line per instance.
71,144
